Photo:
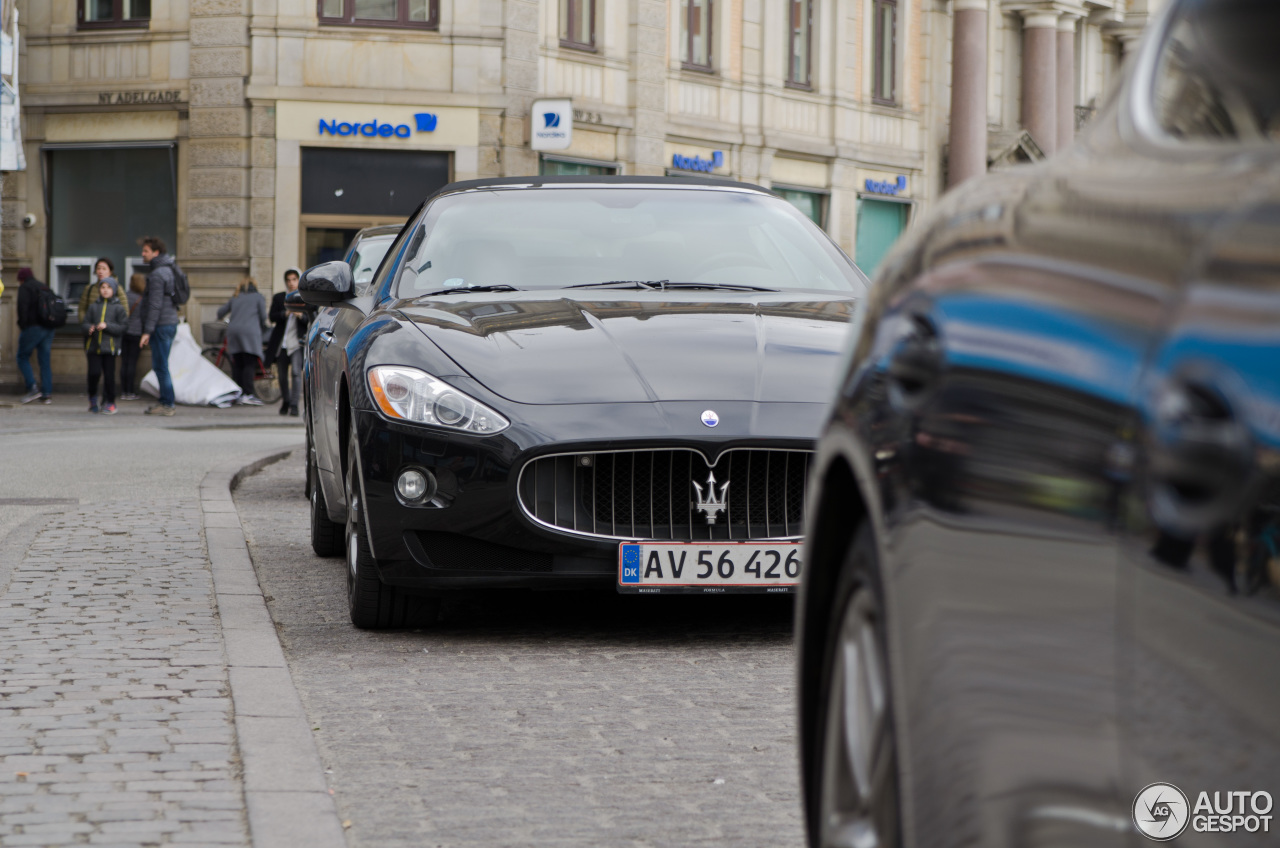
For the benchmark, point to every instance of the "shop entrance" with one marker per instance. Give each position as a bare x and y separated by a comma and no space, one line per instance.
880,222
344,191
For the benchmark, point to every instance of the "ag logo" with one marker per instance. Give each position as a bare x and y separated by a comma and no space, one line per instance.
551,119
1161,812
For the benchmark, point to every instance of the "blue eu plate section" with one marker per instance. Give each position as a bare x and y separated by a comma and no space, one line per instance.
630,564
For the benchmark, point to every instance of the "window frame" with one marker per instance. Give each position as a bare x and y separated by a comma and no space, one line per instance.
567,25
877,53
686,60
116,22
615,167
401,21
805,84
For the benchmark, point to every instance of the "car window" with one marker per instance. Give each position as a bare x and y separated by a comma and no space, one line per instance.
557,237
368,255
1217,75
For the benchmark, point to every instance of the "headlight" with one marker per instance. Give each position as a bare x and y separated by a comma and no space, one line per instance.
408,394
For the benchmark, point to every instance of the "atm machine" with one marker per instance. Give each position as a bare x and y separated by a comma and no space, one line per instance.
68,276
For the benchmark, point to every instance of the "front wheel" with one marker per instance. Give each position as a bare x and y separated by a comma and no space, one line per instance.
372,604
856,760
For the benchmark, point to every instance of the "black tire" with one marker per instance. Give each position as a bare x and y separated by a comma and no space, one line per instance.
326,535
852,796
372,604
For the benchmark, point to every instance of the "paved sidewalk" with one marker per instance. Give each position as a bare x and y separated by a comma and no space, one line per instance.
120,722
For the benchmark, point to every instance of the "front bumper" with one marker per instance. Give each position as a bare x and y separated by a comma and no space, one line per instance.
474,534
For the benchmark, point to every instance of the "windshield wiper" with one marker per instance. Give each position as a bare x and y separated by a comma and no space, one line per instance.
724,286
619,284
499,287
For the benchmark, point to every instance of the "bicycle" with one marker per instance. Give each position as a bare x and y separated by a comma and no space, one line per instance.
266,387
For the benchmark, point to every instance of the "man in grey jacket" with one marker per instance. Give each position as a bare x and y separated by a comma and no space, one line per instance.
159,319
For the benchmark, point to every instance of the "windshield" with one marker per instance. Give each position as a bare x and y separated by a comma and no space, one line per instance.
369,253
560,237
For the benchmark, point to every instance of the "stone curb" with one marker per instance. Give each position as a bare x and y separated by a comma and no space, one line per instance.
285,794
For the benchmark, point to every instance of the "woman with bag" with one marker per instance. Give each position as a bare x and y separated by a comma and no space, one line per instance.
103,325
248,311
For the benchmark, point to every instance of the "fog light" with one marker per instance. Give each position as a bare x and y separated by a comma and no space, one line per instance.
414,485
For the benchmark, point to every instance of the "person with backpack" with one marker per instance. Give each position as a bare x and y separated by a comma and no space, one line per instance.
167,289
39,311
103,325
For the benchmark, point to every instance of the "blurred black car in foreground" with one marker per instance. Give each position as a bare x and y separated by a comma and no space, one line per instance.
1043,548
567,381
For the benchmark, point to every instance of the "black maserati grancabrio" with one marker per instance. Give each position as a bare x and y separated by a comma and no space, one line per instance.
572,381
1041,600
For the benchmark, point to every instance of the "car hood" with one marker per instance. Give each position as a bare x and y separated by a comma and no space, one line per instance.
659,346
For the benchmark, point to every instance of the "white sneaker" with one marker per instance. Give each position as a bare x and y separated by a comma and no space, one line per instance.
250,400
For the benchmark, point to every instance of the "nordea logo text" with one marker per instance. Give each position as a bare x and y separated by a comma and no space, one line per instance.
426,122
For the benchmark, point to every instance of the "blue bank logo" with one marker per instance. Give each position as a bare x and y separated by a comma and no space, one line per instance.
697,163
885,187
425,122
630,563
550,119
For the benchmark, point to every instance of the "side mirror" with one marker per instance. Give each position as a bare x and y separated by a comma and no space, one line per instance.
293,300
326,283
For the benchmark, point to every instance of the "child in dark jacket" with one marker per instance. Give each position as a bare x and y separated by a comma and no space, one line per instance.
104,325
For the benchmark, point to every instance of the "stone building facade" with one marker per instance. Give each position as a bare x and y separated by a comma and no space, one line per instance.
258,135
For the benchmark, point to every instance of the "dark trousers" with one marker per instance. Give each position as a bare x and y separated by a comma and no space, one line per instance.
243,368
129,365
102,365
286,364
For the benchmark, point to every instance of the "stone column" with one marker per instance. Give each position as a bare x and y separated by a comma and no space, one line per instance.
1066,80
647,79
520,85
216,244
1040,77
967,155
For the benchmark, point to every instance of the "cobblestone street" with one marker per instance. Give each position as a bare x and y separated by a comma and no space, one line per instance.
117,716
550,718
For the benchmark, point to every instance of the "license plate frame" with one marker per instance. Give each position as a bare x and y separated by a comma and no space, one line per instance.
685,580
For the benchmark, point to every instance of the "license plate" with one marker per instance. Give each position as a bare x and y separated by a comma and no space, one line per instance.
658,567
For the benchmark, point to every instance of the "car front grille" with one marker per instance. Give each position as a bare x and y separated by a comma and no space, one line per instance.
650,494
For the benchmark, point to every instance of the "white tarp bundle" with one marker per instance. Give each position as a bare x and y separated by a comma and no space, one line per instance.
196,380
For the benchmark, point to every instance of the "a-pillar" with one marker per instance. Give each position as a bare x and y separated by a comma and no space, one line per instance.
1066,80
968,136
1040,77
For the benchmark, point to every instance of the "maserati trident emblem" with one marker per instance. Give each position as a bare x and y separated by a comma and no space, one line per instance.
711,504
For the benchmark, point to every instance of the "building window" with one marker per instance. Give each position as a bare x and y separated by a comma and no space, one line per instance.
885,21
578,24
697,34
555,166
812,203
799,39
108,14
380,13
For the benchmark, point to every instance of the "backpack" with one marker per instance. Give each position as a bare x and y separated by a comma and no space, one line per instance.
51,310
181,288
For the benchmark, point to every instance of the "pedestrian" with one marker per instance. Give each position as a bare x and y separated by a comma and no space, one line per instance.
160,318
104,325
103,269
248,319
33,337
132,335
285,346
